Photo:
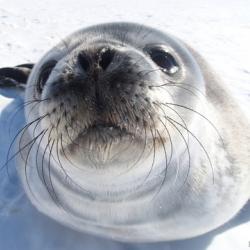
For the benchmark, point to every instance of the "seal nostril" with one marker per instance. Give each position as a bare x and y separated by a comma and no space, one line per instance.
106,57
84,61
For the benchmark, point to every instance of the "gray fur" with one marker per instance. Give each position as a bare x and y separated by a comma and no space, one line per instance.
129,151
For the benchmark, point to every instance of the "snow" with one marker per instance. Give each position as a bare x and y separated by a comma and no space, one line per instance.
218,29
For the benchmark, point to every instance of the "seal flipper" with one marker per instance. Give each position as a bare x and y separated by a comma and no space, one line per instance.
16,76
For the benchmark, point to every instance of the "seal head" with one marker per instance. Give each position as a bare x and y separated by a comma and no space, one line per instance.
123,137
102,86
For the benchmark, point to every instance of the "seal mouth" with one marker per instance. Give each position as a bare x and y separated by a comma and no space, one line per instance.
105,127
105,131
102,128
102,132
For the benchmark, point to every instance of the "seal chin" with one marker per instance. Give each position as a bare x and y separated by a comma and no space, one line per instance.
107,143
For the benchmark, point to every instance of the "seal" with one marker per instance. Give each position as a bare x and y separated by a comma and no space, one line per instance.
130,135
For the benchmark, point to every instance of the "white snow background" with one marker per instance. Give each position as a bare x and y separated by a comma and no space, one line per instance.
218,29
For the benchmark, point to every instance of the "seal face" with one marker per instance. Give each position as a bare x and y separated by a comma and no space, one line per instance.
101,86
128,136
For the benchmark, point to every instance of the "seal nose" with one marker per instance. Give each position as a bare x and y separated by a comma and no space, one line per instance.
102,59
84,61
106,56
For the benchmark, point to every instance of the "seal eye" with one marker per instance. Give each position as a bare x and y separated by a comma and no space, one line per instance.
45,73
164,59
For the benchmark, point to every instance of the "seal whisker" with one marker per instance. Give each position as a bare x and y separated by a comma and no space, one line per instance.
198,113
64,170
148,71
153,158
182,86
170,140
185,141
38,122
181,118
8,158
175,111
26,129
64,153
34,106
52,193
187,149
164,125
42,164
37,152
200,143
166,166
26,162
73,143
140,154
18,109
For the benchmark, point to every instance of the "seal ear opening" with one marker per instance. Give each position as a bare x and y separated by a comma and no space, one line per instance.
15,76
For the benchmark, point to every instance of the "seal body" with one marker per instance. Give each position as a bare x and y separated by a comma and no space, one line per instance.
130,135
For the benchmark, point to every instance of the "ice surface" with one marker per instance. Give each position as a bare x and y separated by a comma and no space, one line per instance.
220,30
